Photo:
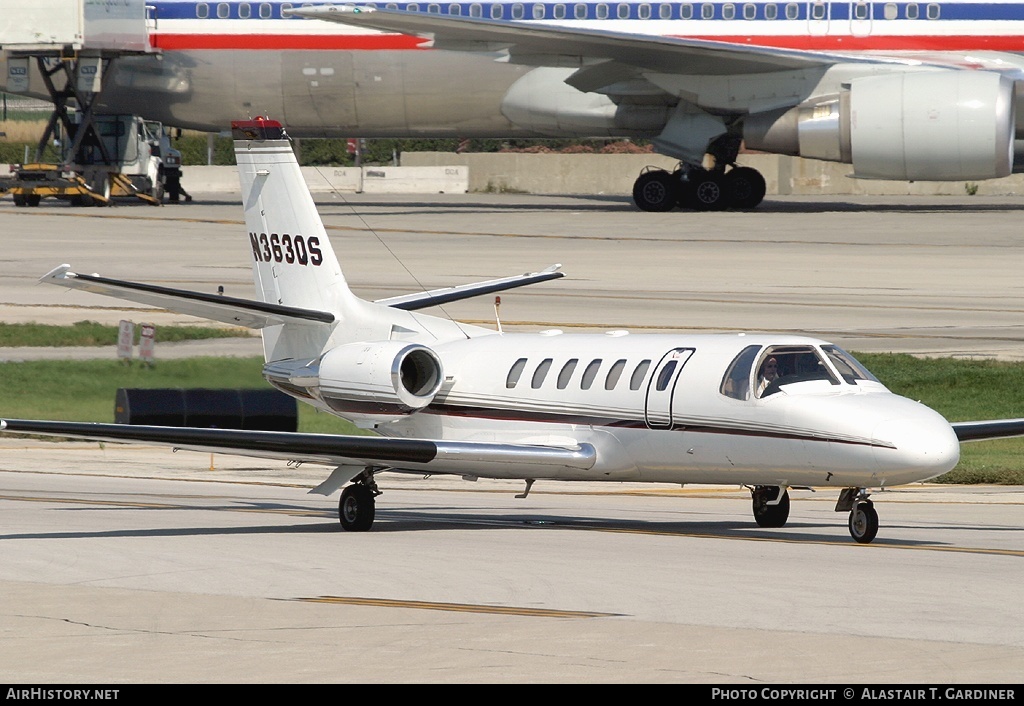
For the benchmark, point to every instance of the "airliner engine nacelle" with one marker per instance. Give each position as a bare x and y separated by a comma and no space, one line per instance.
908,126
380,378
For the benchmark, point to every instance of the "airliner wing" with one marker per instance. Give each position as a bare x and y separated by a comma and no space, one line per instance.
427,455
541,44
217,307
412,302
991,429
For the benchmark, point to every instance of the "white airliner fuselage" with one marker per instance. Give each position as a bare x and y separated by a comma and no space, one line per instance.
900,90
763,410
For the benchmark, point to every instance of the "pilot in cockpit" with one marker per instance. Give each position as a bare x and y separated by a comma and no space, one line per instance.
767,374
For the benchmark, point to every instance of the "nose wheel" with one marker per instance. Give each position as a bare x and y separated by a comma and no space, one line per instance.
863,517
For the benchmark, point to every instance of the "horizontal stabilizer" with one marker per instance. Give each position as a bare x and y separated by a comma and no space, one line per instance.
412,302
460,457
993,429
217,307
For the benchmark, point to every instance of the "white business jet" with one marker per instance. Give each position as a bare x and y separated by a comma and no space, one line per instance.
769,412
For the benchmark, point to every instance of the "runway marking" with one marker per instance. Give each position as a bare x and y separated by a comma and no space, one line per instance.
458,607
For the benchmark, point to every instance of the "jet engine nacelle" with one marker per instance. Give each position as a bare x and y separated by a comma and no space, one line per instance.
379,379
910,126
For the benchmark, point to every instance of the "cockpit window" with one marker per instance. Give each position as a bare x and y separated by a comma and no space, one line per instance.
785,365
848,366
736,383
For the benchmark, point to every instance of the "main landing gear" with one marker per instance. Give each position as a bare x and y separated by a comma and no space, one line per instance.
771,509
698,189
357,506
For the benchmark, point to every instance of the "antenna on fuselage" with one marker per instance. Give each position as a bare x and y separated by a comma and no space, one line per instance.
497,319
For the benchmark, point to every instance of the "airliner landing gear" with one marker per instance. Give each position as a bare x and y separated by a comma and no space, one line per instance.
771,505
659,190
357,506
863,517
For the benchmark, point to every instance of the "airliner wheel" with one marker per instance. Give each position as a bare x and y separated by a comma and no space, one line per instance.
746,187
656,191
356,508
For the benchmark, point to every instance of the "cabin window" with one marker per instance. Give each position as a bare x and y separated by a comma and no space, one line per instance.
707,11
391,6
518,11
614,373
455,10
819,11
861,11
665,376
728,11
559,12
933,11
643,12
579,11
590,373
890,12
266,11
496,12
912,11
476,10
785,365
540,373
538,11
736,383
434,9
639,373
665,11
244,11
223,10
202,10
792,11
849,367
566,372
771,11
686,11
602,12
622,10
412,7
750,11
515,372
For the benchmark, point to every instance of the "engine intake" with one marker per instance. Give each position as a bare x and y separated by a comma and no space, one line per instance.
910,126
381,378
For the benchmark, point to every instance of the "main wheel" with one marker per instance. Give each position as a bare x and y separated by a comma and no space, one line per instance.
746,186
863,522
770,515
710,192
656,191
356,508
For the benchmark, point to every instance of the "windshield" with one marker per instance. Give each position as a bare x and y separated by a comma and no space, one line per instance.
785,365
848,366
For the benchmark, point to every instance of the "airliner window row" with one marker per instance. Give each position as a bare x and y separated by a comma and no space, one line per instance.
610,380
812,11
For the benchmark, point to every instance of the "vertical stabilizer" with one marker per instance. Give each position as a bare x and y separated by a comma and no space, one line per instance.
292,259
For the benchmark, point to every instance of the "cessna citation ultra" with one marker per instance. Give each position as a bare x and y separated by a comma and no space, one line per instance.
899,90
769,412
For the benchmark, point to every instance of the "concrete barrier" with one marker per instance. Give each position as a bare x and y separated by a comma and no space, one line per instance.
612,174
615,174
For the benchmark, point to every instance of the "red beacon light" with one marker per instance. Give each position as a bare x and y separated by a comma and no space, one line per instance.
258,128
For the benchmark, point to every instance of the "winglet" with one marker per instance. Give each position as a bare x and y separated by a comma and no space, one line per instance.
60,272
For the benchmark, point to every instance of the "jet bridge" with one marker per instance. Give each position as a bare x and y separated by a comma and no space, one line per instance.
72,43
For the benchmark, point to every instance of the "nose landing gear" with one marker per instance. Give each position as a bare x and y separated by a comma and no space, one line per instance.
863,517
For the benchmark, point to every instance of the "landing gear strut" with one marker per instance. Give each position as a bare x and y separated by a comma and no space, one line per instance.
699,189
357,506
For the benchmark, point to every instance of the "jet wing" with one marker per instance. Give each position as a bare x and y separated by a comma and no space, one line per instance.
543,44
412,302
217,307
426,455
991,429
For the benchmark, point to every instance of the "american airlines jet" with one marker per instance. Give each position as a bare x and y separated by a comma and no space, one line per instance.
769,411
899,90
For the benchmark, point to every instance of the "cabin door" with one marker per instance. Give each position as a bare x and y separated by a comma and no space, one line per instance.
661,388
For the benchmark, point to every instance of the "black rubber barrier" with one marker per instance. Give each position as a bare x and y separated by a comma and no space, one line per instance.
260,410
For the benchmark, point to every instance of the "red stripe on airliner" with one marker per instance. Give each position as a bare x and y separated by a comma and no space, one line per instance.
369,42
285,41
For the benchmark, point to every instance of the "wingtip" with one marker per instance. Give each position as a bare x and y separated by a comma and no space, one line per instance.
59,272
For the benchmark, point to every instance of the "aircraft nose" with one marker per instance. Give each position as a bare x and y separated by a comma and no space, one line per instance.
916,447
